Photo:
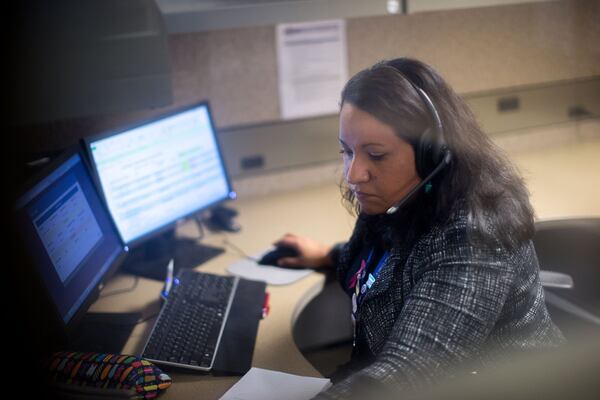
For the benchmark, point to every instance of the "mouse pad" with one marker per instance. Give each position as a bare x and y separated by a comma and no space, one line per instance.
250,269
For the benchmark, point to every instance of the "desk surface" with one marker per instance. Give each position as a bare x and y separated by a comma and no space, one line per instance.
554,177
316,212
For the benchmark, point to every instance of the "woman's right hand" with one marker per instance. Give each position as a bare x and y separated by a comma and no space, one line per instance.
312,254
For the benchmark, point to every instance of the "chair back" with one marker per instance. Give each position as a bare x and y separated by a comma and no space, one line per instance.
571,246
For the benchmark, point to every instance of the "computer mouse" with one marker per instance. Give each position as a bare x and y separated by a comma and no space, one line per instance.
278,252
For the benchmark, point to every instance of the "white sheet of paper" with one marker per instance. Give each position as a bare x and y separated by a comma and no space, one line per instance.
313,67
264,384
273,275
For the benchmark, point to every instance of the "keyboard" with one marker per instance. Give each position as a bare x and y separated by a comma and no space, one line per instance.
190,325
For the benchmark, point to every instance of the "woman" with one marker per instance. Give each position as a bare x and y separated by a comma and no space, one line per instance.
440,268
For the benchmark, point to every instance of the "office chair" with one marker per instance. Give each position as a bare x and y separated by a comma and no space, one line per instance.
569,255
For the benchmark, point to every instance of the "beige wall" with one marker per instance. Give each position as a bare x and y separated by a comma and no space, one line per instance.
475,49
488,48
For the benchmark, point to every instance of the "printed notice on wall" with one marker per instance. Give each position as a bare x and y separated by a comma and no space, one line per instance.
313,67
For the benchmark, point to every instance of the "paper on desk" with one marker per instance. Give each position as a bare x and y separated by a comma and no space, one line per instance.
249,269
264,384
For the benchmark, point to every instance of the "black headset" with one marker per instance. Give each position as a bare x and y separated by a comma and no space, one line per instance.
432,154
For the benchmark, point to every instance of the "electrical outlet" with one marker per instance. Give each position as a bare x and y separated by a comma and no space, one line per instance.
252,162
511,103
578,111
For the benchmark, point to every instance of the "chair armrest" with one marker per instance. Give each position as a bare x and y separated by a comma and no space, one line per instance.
558,280
571,308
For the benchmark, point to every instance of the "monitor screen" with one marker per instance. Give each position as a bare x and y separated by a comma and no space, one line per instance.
156,173
68,234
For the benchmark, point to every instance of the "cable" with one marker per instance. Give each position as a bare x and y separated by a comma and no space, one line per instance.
136,281
134,323
200,225
142,320
241,252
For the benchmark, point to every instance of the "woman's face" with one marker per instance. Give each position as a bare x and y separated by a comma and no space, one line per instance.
379,167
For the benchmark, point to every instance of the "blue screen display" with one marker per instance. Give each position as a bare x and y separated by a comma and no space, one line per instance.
68,234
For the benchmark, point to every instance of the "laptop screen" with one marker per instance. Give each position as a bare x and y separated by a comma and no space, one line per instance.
68,234
153,174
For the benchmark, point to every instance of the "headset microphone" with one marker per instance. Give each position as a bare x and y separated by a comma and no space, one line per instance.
445,161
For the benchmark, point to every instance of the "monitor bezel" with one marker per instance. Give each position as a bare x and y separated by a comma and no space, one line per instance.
67,328
140,240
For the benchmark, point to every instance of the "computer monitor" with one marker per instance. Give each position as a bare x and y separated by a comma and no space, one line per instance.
157,172
68,235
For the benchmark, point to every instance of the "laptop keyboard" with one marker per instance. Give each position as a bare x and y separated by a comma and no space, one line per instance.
190,324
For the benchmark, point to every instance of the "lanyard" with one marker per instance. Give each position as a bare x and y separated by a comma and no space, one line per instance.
360,287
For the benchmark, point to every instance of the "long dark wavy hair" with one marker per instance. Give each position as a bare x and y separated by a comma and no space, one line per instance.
480,175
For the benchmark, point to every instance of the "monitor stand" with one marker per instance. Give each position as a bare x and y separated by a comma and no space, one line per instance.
150,259
103,332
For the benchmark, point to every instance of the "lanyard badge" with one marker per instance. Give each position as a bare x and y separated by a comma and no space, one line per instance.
361,289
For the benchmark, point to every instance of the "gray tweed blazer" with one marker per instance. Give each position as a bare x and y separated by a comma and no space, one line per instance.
441,301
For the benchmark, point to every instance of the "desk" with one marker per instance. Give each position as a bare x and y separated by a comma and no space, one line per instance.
317,212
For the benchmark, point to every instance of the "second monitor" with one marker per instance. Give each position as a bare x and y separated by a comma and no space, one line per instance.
155,173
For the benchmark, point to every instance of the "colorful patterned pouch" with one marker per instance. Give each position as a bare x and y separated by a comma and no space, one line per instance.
112,372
